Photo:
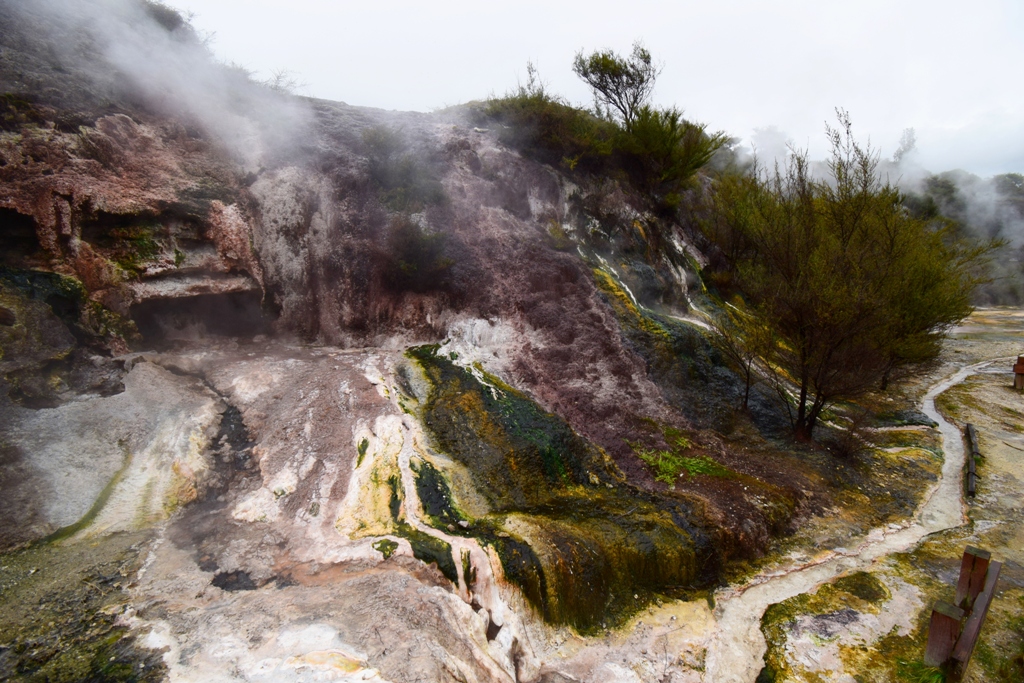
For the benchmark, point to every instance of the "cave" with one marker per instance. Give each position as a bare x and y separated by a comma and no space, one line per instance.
18,239
163,322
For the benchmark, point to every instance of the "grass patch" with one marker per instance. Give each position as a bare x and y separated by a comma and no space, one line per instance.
679,459
914,671
670,465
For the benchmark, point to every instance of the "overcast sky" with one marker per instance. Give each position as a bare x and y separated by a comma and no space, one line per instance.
949,69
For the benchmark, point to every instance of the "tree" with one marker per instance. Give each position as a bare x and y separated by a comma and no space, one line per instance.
662,151
744,339
852,286
658,149
908,145
622,84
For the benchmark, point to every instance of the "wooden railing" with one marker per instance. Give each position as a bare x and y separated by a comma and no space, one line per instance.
954,628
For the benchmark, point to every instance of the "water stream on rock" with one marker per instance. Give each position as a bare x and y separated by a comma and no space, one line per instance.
736,651
484,589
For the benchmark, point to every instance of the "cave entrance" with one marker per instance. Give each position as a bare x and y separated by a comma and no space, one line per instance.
166,322
18,239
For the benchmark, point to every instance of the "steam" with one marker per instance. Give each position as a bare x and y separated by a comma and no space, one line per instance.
165,64
987,204
771,145
989,208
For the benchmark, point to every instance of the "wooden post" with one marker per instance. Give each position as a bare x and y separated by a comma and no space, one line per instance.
973,568
974,452
1018,374
950,646
943,633
972,441
972,629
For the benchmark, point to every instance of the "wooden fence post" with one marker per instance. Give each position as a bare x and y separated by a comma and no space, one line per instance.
972,440
973,568
943,632
972,629
951,639
974,452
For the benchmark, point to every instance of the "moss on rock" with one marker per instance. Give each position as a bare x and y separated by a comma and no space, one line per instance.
59,614
435,496
585,548
893,657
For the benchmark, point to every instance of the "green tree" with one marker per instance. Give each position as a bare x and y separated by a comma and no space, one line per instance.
622,84
662,151
658,149
655,150
853,286
744,339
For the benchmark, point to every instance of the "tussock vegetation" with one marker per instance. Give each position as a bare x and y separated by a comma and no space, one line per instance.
655,151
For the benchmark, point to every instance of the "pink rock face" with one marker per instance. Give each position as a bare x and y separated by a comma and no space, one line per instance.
164,228
225,361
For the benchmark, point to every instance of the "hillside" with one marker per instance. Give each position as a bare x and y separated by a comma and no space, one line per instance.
306,387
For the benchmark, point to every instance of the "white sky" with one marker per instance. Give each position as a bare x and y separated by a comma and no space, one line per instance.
952,70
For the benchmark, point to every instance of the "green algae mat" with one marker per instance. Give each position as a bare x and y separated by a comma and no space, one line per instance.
585,547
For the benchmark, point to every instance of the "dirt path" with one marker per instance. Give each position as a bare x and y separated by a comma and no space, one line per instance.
736,651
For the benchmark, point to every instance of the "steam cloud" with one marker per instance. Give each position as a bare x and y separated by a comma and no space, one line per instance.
162,61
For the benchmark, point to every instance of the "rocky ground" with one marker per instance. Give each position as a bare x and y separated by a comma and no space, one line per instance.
275,559
292,390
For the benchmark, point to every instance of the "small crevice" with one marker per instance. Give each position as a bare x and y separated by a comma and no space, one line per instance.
234,581
493,629
163,323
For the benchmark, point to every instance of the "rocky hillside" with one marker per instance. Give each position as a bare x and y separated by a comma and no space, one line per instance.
382,394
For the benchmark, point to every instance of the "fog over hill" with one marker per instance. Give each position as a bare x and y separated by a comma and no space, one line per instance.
939,67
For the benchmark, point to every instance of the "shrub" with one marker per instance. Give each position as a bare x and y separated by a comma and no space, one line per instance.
661,151
550,130
406,183
620,84
656,151
414,259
